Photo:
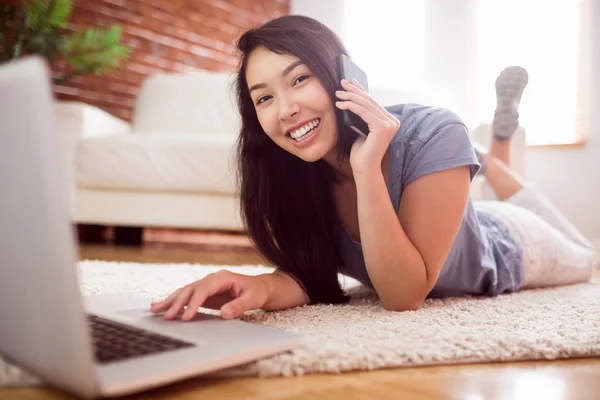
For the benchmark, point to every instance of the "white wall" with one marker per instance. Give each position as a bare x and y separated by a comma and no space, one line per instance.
329,12
570,177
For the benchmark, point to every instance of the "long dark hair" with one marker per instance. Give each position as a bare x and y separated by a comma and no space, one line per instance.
287,203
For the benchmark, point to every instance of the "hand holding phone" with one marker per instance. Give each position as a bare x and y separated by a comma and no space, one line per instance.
348,70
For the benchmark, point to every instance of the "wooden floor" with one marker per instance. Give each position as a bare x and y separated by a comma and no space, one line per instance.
570,379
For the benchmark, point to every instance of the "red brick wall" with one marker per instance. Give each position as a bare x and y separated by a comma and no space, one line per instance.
164,35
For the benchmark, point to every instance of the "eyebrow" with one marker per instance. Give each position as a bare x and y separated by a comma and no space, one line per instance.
286,71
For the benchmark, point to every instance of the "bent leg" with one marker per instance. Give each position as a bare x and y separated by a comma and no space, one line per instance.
550,258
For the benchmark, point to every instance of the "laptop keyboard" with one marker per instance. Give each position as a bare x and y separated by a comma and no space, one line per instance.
114,341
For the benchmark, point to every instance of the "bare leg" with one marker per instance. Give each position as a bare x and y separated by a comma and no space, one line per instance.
501,150
504,181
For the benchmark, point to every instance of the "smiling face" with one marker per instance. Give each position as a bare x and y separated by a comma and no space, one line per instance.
291,104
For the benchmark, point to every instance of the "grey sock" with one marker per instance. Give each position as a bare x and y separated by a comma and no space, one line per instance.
510,85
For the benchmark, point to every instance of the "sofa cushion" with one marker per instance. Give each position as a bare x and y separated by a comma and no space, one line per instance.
158,162
194,102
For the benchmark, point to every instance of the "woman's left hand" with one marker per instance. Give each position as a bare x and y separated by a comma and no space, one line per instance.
367,153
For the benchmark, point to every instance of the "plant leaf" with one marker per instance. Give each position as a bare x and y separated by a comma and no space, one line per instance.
96,50
34,11
38,11
61,13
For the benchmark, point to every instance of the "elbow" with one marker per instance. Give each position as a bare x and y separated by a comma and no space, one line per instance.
402,306
411,303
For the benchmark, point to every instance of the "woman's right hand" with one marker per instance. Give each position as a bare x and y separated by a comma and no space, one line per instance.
232,293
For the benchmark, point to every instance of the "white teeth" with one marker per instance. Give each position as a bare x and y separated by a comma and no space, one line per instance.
304,129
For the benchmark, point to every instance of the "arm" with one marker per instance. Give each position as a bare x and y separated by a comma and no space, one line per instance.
404,253
283,291
233,294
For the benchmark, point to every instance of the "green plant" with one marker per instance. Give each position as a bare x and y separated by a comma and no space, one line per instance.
41,27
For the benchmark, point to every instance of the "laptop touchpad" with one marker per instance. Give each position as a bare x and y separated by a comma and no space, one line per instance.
146,314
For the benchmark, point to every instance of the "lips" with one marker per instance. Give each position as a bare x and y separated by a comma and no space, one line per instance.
300,125
308,138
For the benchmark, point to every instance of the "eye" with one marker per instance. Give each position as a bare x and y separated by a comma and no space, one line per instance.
301,79
262,99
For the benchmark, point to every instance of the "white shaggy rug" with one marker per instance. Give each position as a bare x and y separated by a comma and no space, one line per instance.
530,325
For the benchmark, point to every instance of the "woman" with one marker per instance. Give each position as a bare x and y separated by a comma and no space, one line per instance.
391,209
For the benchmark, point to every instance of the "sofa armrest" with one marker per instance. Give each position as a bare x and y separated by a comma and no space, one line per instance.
76,120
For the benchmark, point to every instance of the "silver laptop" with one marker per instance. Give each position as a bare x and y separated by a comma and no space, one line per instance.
101,345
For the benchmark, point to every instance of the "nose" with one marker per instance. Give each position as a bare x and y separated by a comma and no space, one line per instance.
288,107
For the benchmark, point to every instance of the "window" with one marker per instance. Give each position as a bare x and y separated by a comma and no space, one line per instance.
546,39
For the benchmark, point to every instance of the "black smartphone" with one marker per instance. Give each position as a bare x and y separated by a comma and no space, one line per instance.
348,70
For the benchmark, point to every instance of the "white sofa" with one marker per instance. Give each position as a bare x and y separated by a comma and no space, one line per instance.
171,167
174,165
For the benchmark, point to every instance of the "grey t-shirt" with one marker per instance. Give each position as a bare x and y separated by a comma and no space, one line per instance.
485,257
